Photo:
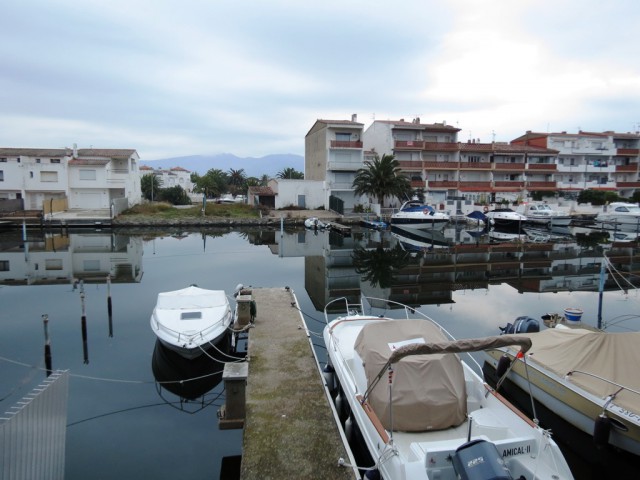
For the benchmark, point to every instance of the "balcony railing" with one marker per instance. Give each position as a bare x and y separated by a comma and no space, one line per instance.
475,186
443,184
628,184
541,185
418,183
409,144
410,165
542,166
508,184
346,166
627,168
441,165
628,151
475,166
345,144
509,166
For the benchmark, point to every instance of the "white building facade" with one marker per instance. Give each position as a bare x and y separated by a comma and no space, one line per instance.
88,178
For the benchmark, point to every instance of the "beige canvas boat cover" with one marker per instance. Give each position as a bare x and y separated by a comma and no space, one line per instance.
614,356
428,390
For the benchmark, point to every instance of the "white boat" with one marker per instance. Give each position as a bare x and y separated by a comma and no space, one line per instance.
588,378
432,417
191,320
543,214
226,198
620,215
505,218
415,214
314,223
414,240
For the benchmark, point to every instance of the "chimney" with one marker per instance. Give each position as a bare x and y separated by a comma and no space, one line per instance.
416,120
354,117
75,150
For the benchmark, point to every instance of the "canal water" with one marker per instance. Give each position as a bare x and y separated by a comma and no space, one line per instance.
122,423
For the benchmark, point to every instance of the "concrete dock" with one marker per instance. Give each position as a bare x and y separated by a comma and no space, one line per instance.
290,430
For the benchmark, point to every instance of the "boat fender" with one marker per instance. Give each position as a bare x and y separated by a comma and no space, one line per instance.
328,373
372,474
601,430
485,209
348,428
253,310
341,407
503,366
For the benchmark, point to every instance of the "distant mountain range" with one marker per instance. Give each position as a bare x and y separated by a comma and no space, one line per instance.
253,167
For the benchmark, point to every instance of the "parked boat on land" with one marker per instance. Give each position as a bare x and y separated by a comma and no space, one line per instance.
543,214
415,214
191,320
589,378
620,215
433,417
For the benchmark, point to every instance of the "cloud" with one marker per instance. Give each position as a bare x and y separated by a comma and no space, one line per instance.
177,78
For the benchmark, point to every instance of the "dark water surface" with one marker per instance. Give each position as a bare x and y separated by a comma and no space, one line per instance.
122,425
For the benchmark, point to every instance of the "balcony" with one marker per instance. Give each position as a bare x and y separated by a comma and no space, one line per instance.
508,186
475,166
345,166
542,185
410,165
550,167
409,145
475,186
345,144
418,183
627,168
628,152
441,165
443,184
518,167
628,184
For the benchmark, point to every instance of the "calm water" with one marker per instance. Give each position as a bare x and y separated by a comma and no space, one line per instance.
122,425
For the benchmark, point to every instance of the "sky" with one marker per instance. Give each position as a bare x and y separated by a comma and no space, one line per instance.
251,77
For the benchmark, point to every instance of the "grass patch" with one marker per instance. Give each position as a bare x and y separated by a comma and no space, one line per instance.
168,211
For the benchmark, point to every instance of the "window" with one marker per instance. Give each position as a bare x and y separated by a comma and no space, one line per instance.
30,174
48,176
37,160
54,160
3,160
53,264
1,175
91,265
4,265
474,159
87,174
343,137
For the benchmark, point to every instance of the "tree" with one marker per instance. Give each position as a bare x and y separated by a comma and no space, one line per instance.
174,195
212,184
380,178
237,180
290,173
150,186
264,180
597,197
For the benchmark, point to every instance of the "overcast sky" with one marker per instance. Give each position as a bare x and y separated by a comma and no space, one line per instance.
173,78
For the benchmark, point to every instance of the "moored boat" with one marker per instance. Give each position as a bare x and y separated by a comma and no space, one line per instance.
505,218
314,223
543,214
620,215
433,417
589,378
415,214
191,319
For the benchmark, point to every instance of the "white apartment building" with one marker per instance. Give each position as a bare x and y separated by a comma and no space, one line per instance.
172,177
332,154
87,178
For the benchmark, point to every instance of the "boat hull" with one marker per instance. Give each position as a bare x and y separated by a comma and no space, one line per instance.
575,406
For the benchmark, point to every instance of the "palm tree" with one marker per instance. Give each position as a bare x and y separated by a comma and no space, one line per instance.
380,179
150,186
290,173
212,184
237,180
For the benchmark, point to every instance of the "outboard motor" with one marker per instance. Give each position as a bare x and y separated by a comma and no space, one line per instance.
522,325
479,460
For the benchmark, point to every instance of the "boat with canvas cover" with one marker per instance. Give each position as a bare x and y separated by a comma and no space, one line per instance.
191,320
420,411
415,214
588,378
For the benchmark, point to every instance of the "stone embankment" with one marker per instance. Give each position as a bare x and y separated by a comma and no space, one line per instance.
274,219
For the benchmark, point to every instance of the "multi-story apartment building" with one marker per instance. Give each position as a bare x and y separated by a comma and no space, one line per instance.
333,153
589,160
431,156
88,178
